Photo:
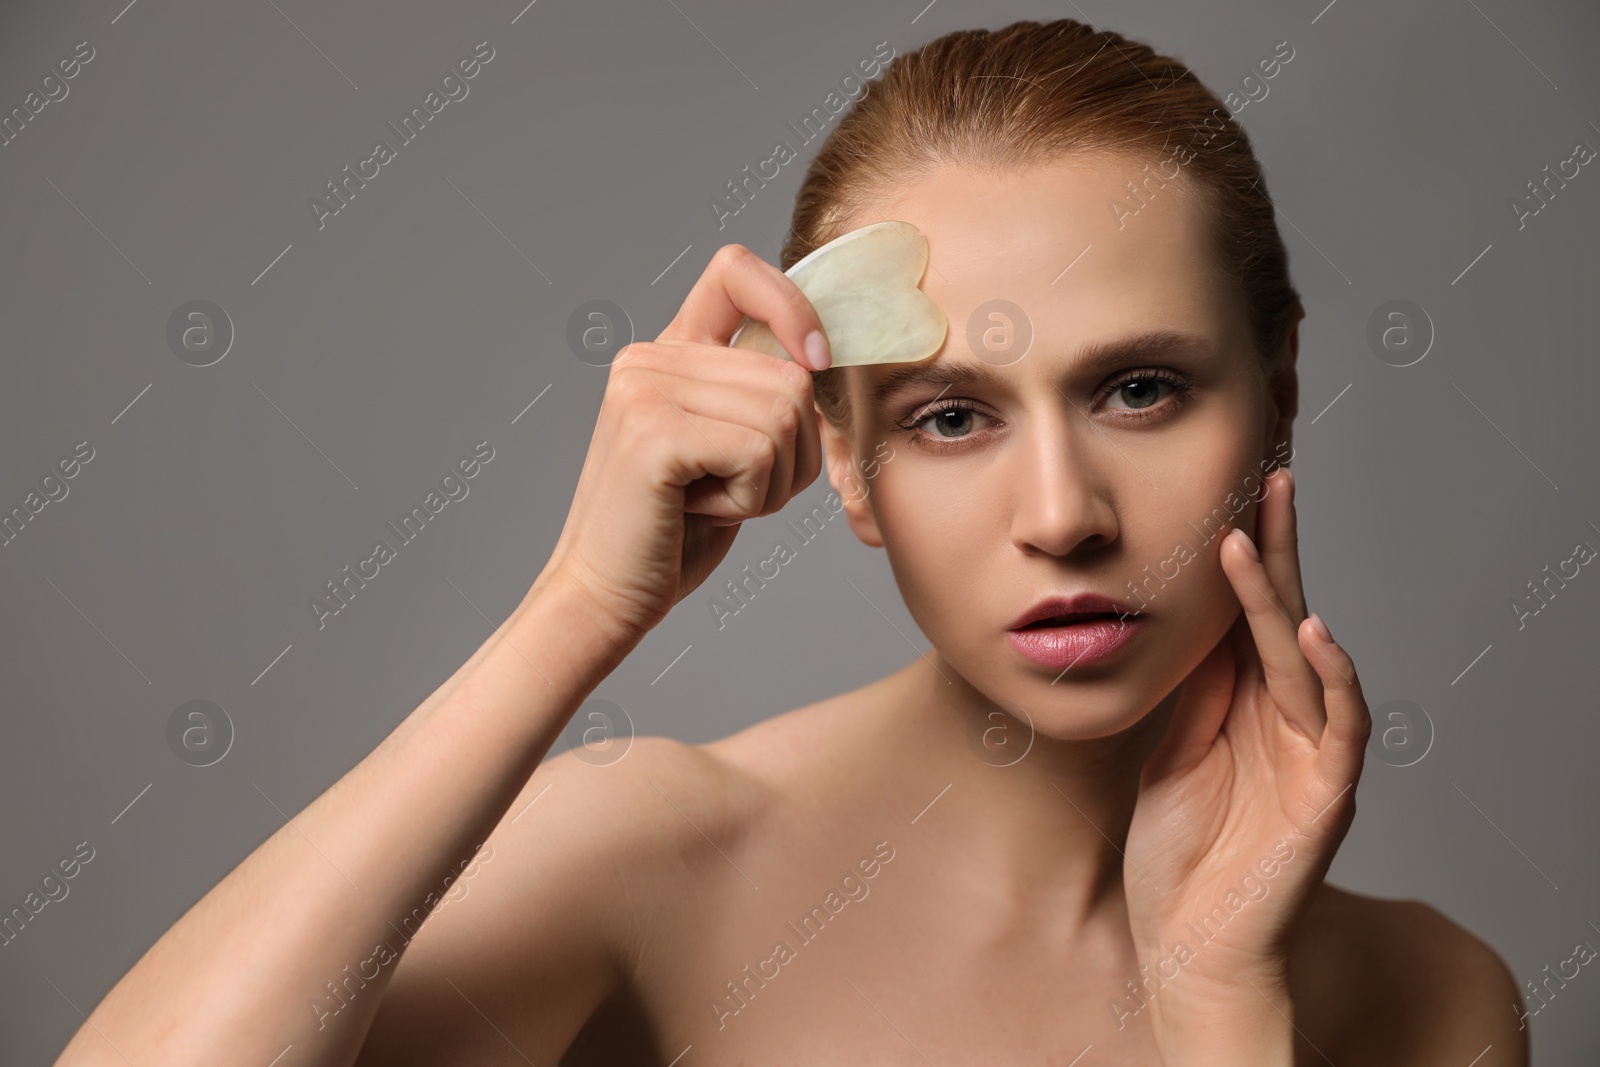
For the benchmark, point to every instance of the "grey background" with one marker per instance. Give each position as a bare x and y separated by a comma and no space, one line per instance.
377,351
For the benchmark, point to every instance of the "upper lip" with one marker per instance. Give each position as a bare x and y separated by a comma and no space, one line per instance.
1081,604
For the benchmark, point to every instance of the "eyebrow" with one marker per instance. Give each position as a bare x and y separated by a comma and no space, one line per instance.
1098,356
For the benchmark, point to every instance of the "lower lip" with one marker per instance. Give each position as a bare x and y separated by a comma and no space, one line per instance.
1060,647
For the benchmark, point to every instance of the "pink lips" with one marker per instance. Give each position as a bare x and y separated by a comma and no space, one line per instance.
1102,626
1076,644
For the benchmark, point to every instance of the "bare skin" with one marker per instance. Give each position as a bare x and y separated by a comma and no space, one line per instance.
958,960
960,911
1000,929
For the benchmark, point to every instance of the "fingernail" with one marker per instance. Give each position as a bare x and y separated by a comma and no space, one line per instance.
817,350
726,522
1321,627
1288,481
1249,545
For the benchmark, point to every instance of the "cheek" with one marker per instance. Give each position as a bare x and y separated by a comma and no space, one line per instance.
1210,472
936,528
1205,486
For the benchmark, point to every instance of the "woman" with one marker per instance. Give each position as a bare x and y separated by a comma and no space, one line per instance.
1090,825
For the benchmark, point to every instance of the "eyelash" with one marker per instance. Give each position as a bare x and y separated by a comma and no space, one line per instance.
1182,388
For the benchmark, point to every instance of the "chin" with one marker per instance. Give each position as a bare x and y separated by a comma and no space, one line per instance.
1088,701
1087,711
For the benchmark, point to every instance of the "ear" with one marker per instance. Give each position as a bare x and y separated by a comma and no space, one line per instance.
848,481
1284,391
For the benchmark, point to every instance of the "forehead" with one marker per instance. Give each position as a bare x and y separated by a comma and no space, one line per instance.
1090,250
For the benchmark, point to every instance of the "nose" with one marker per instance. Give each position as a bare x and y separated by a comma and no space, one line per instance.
1063,500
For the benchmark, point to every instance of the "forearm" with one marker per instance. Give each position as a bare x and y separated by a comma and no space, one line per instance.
239,977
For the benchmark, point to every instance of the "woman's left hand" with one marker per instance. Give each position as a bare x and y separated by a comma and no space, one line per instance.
1241,807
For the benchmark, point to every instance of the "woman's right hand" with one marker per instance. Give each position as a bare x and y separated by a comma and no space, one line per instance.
691,431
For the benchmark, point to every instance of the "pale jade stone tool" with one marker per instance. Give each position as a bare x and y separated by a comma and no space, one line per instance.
864,287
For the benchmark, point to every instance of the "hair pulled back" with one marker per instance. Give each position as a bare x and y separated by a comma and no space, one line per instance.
1036,92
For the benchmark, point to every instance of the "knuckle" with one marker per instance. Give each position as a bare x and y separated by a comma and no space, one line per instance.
640,405
795,378
630,355
729,254
628,386
758,456
783,416
763,451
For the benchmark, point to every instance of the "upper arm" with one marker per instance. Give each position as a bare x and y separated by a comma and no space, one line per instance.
509,969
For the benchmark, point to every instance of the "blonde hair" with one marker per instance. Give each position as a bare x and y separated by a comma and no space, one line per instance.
1034,92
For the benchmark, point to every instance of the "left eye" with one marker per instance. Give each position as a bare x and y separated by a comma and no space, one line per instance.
956,419
1140,392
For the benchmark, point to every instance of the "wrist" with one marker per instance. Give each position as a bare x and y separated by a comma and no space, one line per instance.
1245,1021
561,610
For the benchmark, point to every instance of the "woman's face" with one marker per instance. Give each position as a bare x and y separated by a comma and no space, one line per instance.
1084,466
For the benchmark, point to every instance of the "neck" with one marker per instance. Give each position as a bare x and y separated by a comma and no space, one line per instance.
1045,819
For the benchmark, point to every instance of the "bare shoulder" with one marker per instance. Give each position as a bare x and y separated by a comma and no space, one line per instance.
807,742
629,825
1389,981
639,830
549,919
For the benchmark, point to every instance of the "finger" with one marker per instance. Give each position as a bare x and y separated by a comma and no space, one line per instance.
737,460
1202,705
1344,742
1280,544
758,409
1290,680
736,283
711,363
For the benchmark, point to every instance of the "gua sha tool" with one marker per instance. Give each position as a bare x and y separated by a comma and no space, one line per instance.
864,287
